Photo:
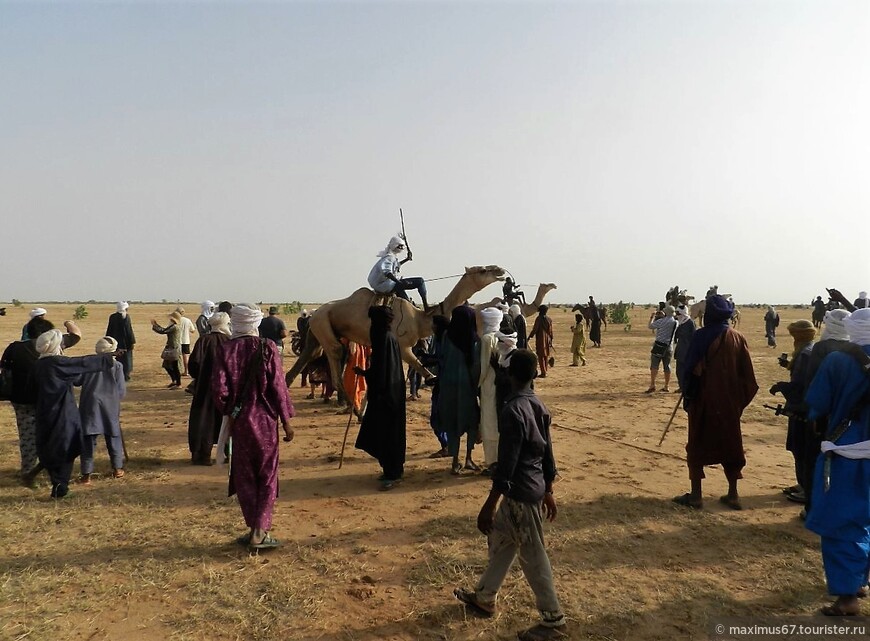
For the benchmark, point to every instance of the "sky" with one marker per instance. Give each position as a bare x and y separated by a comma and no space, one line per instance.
261,151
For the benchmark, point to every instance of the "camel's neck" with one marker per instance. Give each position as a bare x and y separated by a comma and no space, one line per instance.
463,290
539,297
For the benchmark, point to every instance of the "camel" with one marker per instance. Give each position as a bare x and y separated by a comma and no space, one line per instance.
586,310
529,309
348,318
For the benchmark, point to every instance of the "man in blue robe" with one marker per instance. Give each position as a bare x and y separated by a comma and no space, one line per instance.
840,511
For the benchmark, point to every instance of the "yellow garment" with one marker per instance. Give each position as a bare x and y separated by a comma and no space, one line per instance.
578,344
803,332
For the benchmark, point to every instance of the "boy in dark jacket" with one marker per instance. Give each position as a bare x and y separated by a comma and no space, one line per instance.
522,484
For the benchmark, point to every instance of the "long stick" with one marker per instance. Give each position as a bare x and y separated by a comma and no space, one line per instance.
347,429
673,414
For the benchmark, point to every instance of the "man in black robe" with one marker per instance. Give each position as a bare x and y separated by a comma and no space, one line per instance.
382,433
121,329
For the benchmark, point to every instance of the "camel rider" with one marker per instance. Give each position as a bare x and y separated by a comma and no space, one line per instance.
384,277
511,292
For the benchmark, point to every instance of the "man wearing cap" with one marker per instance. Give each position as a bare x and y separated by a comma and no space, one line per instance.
384,276
274,329
665,326
121,329
37,312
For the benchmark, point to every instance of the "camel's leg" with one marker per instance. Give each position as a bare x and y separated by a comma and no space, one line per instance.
413,361
310,351
335,354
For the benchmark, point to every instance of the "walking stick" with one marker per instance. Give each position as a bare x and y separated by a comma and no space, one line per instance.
349,419
673,414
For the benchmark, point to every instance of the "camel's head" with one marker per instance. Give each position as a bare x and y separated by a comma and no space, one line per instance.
546,287
486,275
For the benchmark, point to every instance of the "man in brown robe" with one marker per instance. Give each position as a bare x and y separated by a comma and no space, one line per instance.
720,384
542,332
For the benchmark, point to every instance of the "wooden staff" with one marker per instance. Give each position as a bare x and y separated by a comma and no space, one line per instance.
349,419
673,414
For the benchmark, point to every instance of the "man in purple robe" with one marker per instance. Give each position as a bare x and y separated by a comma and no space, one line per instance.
249,391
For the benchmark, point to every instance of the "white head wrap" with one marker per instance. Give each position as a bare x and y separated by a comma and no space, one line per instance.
37,311
121,306
491,318
858,326
682,313
503,308
304,313
862,295
835,325
207,308
395,241
507,343
514,310
246,319
106,345
220,323
50,343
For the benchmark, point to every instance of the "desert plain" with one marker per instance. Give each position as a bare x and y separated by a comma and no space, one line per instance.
152,556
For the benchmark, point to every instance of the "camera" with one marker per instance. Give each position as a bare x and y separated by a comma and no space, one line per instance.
783,359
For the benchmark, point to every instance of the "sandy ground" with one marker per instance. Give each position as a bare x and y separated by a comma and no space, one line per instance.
151,556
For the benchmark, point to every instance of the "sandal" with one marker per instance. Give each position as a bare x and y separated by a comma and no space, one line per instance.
835,610
733,503
650,390
440,454
686,501
456,469
471,465
119,473
664,389
469,598
863,592
267,543
389,484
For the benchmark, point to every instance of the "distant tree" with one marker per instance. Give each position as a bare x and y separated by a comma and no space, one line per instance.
16,302
291,308
619,313
80,312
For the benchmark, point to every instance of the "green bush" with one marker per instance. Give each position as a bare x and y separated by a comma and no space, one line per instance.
618,313
80,312
291,308
16,302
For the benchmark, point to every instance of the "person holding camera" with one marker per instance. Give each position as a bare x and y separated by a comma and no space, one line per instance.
665,326
803,332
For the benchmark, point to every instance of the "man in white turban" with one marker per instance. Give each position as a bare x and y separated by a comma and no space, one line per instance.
248,389
862,302
203,425
384,276
36,312
120,328
841,493
202,326
100,409
20,359
519,325
491,318
58,422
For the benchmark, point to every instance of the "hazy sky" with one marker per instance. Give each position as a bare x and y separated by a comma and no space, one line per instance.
261,151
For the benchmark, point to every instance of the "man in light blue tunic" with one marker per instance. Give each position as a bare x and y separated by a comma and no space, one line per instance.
384,276
840,511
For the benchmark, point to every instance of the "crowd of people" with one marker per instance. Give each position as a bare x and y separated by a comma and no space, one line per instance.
483,391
